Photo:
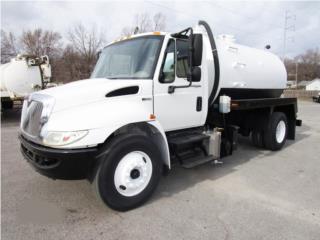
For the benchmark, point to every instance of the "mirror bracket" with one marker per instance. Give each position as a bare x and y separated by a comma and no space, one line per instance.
171,89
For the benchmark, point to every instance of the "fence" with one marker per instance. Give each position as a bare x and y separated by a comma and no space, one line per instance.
300,93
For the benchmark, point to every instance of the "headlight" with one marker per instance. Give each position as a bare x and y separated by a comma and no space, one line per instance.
23,112
62,138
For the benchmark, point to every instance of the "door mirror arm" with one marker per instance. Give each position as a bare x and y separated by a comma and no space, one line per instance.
172,88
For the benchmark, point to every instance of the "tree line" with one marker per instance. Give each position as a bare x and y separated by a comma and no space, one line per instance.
305,66
73,56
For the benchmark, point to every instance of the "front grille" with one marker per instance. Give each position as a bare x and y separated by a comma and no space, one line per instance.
32,121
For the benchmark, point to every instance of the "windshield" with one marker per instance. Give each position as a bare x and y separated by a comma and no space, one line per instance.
131,59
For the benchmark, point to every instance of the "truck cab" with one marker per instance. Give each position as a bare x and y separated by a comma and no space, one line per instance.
154,100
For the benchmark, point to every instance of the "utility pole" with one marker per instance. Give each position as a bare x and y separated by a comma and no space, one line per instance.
289,25
296,74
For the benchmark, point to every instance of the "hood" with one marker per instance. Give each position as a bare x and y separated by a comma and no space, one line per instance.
87,91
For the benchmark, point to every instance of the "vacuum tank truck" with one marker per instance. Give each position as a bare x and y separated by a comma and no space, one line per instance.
155,100
23,75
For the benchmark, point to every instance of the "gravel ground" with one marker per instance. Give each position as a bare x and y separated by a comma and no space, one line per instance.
254,194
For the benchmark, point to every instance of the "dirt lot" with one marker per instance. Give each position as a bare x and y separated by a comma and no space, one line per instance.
255,194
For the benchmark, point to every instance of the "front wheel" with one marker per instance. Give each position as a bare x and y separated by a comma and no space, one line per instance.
129,172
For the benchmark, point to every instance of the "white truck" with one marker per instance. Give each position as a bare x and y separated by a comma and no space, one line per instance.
153,100
21,76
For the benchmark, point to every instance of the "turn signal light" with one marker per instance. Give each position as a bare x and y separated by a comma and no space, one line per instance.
152,116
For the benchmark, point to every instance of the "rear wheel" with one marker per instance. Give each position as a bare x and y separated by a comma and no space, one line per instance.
257,138
129,173
7,104
276,132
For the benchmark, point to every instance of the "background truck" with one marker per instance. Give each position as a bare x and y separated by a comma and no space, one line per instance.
21,76
316,98
155,100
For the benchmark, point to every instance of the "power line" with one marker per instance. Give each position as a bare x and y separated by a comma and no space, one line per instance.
236,13
186,14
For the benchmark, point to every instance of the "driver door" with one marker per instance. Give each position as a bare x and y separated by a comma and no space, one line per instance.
182,108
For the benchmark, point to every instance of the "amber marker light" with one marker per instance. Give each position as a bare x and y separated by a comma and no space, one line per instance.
152,116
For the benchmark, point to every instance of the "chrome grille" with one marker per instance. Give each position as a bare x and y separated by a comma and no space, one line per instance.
32,121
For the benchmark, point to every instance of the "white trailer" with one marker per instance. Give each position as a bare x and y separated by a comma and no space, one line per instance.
22,76
155,99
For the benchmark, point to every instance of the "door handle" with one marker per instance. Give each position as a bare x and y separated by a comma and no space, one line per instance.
199,104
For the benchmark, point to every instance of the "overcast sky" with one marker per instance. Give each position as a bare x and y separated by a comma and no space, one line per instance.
252,23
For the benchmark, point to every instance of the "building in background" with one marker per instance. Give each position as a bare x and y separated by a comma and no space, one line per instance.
291,84
313,85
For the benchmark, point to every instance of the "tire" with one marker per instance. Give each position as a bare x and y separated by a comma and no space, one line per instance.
6,105
257,138
123,152
275,139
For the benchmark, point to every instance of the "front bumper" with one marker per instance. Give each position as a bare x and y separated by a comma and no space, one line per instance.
68,164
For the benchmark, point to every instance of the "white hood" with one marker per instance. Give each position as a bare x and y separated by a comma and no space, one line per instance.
85,91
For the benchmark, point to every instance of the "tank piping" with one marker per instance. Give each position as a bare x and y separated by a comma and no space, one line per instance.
215,60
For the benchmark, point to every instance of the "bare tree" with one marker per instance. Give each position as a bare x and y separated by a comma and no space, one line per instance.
143,23
9,46
39,42
85,43
127,31
308,65
159,22
65,67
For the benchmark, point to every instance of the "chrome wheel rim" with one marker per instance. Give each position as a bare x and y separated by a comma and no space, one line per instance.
133,173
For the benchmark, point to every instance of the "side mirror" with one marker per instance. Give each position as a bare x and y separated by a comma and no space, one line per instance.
197,50
196,74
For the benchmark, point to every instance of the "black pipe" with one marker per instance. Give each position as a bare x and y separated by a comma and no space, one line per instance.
215,60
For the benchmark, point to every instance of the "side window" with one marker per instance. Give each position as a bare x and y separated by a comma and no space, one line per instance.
168,68
182,58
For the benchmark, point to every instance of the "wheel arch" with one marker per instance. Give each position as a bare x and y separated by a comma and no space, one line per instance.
152,129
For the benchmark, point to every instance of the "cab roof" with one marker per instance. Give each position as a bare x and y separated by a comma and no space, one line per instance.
156,33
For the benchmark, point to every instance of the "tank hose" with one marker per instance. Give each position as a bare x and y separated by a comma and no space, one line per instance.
215,60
